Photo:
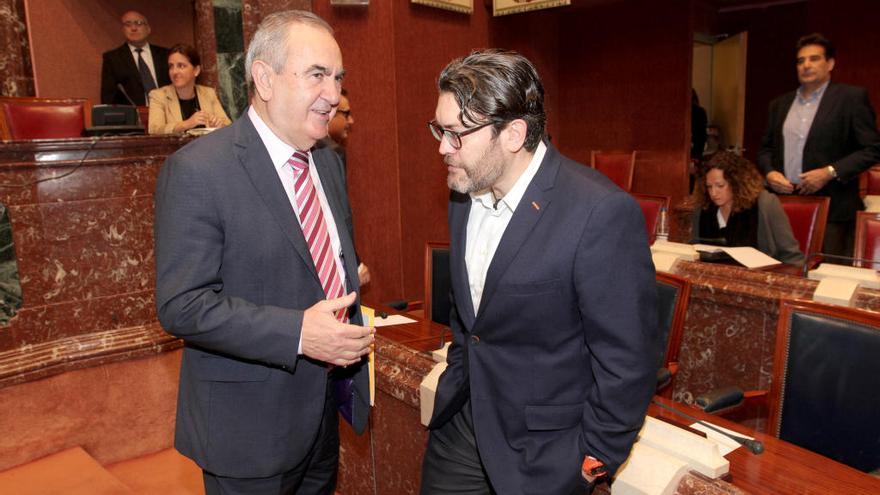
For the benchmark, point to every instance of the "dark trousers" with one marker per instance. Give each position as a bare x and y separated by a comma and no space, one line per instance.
315,475
839,240
452,463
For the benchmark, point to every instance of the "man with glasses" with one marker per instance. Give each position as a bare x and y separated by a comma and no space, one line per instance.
554,351
137,66
337,140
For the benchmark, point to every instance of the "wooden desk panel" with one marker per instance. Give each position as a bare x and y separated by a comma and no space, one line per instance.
82,222
397,439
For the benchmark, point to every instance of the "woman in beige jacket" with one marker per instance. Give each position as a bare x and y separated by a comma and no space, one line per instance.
183,104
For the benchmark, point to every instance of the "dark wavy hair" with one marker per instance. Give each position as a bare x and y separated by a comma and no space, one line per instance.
497,86
742,175
187,51
817,39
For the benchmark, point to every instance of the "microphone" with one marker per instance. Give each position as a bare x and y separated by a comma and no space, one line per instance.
125,94
839,257
754,446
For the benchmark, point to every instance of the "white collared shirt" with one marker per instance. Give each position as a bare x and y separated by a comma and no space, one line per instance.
147,55
280,152
487,222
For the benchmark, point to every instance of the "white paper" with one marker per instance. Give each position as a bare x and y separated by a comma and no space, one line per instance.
391,320
725,444
747,256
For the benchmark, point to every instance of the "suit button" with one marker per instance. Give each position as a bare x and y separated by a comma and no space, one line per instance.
475,339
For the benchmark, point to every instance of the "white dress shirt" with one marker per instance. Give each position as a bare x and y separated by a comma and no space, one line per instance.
487,222
147,55
280,152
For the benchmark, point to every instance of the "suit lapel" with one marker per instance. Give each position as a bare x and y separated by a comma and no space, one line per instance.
252,155
173,105
333,190
824,112
128,60
521,224
460,207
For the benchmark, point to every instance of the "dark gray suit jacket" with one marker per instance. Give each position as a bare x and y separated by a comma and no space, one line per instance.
844,133
560,360
234,275
119,67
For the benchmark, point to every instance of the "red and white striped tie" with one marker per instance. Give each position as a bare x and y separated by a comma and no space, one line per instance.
311,218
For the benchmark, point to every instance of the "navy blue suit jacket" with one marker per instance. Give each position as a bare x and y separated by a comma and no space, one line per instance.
234,276
844,133
560,360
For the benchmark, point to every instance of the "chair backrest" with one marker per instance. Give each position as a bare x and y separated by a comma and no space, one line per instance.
868,239
618,166
808,216
43,118
438,282
824,394
651,205
673,294
872,180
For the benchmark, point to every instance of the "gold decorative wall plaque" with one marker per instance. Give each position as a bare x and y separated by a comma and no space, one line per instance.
504,7
463,6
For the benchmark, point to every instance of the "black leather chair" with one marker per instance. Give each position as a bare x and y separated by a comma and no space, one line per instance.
824,396
673,294
438,283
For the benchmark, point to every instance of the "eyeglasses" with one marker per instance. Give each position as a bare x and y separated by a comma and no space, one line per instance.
453,137
134,23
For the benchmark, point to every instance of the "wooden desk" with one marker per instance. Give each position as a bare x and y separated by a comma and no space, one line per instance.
387,459
783,467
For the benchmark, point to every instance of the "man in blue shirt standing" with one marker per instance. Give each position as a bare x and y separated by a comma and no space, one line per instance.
819,139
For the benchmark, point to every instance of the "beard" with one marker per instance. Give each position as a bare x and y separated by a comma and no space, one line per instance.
478,176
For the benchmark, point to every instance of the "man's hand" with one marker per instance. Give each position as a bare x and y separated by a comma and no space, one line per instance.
779,183
814,180
363,275
327,339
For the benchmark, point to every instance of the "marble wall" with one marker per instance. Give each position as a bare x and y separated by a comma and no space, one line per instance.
82,217
16,74
229,44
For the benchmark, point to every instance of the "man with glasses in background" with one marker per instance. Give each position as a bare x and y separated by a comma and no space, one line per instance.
137,66
337,140
554,319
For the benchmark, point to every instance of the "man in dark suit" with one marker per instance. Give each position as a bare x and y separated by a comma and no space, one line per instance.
254,256
554,321
337,140
137,65
819,139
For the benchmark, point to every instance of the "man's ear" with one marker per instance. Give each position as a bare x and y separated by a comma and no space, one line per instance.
263,79
515,135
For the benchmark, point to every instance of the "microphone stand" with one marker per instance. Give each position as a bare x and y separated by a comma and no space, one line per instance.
125,94
753,446
839,257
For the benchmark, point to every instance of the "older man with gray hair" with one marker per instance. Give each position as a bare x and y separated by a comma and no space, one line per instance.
256,272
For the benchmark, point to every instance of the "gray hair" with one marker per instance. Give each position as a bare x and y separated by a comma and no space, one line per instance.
497,86
269,43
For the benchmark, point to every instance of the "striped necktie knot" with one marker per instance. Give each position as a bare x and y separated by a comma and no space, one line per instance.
299,160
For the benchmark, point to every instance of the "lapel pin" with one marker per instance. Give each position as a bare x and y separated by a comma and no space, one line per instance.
535,206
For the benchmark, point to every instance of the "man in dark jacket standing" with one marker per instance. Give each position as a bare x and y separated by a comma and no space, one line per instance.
819,139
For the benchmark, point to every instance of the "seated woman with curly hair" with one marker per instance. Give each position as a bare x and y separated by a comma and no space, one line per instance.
732,204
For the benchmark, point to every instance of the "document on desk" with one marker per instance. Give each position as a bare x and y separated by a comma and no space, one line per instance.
725,444
391,320
747,256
